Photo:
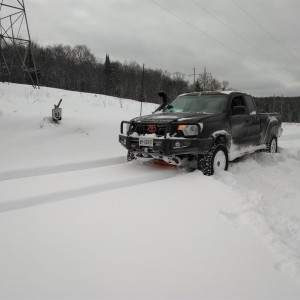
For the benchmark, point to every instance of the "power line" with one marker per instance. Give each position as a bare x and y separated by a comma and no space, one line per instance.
279,26
235,32
266,31
214,39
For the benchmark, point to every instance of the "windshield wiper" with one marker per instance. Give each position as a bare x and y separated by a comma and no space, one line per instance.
168,108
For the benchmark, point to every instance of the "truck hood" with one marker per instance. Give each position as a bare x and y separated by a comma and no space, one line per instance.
170,117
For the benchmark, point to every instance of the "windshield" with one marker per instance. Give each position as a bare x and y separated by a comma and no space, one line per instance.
210,104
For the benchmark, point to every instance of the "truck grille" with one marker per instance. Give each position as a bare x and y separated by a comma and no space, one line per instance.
159,130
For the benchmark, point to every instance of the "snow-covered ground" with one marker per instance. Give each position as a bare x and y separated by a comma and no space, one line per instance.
79,222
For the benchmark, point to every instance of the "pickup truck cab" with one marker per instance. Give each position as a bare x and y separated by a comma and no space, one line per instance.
202,130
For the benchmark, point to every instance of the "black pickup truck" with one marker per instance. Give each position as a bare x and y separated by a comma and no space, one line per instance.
202,130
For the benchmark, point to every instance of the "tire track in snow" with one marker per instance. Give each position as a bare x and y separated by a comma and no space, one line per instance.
47,170
262,181
80,192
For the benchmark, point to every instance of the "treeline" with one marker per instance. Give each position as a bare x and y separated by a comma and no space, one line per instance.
76,68
288,107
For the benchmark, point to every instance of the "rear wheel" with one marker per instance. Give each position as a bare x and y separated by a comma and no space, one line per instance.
272,145
214,161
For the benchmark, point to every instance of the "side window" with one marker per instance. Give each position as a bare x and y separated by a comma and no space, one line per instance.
237,101
250,105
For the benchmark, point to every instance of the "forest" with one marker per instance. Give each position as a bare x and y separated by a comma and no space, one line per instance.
78,69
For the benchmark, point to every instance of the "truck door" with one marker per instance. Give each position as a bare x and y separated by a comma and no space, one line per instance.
239,121
254,126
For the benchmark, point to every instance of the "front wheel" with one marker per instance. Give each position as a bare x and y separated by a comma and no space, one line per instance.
272,145
214,161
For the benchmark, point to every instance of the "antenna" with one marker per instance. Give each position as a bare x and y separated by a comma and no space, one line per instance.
142,93
16,53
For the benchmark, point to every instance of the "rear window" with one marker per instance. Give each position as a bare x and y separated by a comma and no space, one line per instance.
250,104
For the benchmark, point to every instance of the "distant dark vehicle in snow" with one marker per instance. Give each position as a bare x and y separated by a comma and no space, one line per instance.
202,130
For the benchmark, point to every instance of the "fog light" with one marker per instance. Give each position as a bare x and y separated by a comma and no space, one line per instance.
181,144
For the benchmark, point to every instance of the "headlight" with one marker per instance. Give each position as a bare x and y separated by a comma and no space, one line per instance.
190,130
125,127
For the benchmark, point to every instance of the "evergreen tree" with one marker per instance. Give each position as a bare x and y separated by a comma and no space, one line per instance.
107,75
110,78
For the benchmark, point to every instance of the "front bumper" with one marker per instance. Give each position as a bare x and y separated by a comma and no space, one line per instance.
167,146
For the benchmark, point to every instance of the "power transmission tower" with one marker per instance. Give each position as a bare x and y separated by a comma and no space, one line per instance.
194,75
204,78
15,44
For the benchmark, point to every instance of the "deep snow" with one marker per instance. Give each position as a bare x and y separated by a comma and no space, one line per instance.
79,222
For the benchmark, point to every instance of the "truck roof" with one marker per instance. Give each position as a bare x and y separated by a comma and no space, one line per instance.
211,93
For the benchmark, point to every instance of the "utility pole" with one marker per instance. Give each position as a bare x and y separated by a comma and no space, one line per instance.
204,79
194,75
281,106
142,93
143,77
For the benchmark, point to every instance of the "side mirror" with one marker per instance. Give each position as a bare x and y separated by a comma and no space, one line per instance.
239,110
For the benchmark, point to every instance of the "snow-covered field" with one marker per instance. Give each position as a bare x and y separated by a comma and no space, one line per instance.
79,222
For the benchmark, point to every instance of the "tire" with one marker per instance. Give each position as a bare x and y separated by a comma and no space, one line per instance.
272,145
214,161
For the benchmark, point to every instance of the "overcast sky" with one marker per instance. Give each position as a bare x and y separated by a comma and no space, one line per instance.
254,44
